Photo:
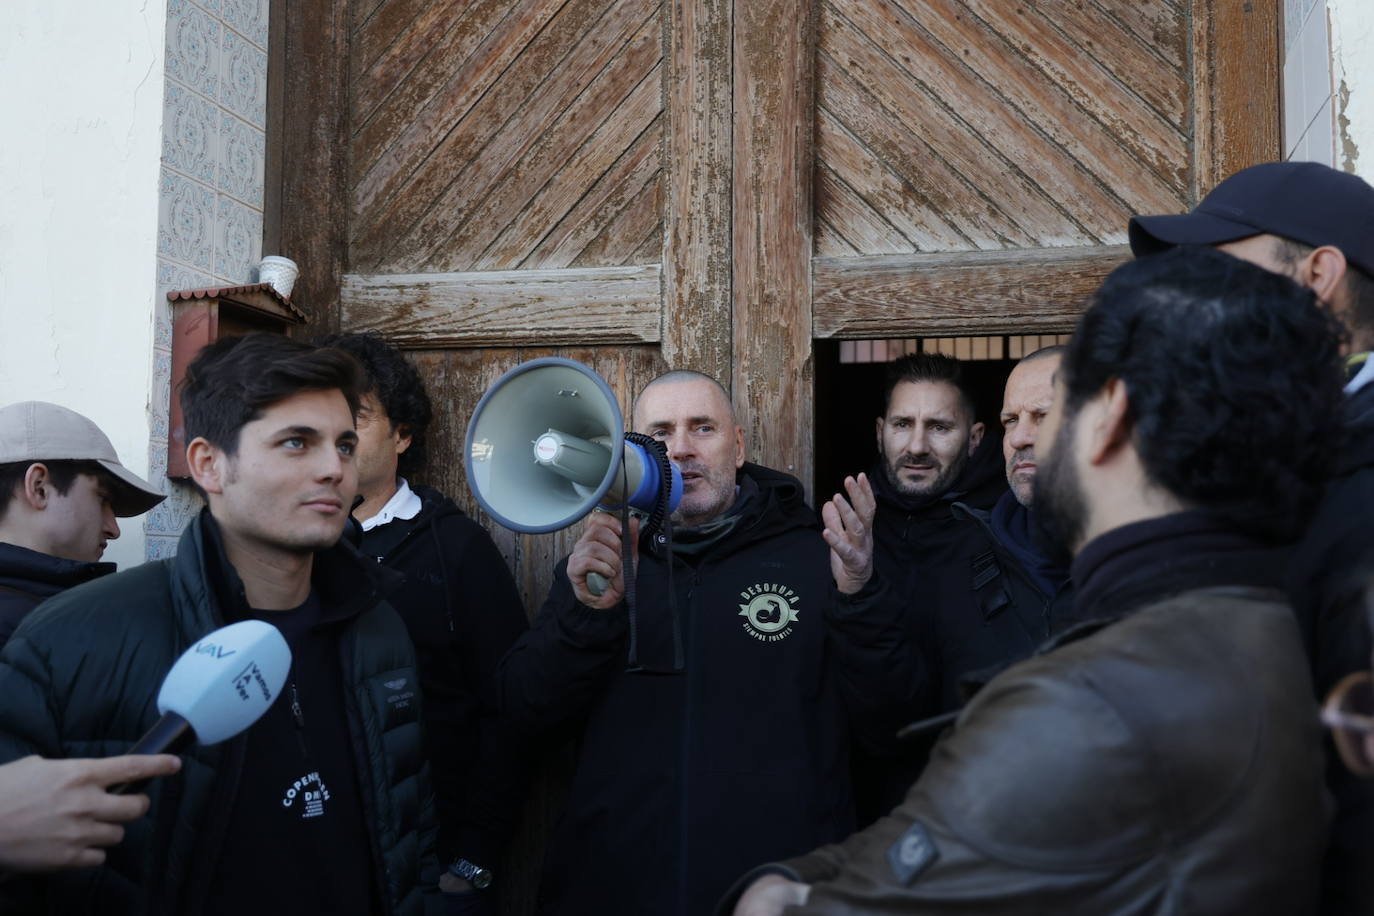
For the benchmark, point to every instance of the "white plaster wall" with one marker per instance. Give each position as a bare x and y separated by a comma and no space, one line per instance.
81,88
1352,65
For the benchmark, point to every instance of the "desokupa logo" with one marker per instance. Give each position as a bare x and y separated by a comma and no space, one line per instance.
769,610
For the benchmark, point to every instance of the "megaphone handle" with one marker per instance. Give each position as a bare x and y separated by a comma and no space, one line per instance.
167,736
597,584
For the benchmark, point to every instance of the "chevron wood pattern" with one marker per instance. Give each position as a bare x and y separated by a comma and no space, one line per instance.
505,134
949,125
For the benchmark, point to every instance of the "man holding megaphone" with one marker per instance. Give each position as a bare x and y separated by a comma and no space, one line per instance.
323,805
715,714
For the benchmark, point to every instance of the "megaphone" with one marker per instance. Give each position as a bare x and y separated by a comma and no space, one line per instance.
219,687
547,444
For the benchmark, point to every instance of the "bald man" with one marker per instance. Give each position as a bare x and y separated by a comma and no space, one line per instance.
715,714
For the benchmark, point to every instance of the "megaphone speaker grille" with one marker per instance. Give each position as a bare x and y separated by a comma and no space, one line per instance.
534,398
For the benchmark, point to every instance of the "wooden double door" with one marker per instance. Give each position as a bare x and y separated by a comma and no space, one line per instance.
721,184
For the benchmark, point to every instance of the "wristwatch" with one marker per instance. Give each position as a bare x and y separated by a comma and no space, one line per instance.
476,874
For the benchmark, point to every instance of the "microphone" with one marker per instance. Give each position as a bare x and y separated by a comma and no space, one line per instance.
219,687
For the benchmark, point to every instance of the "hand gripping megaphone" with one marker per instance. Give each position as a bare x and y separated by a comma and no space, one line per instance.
219,687
547,444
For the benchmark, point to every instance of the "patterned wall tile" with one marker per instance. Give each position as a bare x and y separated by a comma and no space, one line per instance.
213,7
186,221
238,241
161,396
159,547
190,133
243,155
243,79
248,18
193,47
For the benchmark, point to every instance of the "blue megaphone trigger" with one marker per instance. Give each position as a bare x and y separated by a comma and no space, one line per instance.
660,482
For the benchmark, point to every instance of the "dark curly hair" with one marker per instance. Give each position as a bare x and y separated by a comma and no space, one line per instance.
398,387
1232,376
233,380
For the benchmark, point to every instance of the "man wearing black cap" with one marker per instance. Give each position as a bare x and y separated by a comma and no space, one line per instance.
1316,225
61,489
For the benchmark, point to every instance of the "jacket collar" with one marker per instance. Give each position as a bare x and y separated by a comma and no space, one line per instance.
346,584
44,573
1147,561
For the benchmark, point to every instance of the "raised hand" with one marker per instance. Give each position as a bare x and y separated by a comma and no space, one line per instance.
849,532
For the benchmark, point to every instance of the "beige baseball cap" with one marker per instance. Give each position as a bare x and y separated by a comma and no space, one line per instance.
39,431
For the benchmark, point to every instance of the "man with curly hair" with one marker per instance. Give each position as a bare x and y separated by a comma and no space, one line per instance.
1165,756
463,612
1315,225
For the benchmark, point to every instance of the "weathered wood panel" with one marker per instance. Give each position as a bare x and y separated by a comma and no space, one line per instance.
311,213
994,292
773,115
1236,72
506,308
696,248
476,175
1049,124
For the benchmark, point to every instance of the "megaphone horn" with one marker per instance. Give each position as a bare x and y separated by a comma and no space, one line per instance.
547,444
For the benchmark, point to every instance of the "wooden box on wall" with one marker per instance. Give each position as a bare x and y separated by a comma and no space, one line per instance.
203,316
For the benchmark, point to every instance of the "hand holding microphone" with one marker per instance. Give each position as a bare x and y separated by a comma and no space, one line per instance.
58,813
219,687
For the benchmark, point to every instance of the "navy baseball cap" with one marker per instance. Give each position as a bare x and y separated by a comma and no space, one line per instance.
1303,201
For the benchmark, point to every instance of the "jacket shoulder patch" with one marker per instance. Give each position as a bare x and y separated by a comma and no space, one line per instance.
912,854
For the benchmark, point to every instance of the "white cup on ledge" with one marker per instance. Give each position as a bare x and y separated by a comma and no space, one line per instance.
280,272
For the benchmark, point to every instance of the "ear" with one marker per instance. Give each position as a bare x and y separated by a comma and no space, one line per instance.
1111,427
403,439
208,464
739,446
975,436
878,433
36,488
1323,271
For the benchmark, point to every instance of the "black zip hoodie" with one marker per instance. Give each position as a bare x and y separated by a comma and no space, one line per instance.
28,578
687,779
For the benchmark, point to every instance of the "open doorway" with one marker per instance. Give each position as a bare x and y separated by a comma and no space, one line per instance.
849,391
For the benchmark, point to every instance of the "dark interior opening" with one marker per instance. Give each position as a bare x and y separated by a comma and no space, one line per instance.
849,393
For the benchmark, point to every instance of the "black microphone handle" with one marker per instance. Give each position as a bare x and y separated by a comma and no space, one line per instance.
169,735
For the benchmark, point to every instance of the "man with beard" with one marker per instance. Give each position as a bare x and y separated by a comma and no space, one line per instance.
1166,755
716,707
1312,223
968,607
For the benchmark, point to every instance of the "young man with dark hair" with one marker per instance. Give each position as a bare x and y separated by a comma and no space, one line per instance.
323,806
61,490
1313,224
1168,752
463,612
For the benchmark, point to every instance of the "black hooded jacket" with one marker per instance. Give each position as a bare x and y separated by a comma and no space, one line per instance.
462,610
28,578
968,604
686,778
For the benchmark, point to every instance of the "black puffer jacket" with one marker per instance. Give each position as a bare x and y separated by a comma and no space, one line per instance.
686,779
1166,763
463,613
28,578
80,679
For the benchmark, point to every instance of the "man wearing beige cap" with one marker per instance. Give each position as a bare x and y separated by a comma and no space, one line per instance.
61,489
